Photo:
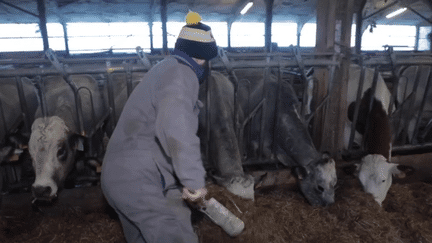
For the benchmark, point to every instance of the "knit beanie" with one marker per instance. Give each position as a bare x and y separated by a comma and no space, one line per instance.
195,38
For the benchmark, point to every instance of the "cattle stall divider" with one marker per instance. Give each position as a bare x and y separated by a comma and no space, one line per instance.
398,64
3,119
23,105
272,60
236,61
52,57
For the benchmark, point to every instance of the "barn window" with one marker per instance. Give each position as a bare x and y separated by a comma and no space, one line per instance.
220,32
402,37
27,37
173,29
308,35
284,34
424,44
97,37
244,34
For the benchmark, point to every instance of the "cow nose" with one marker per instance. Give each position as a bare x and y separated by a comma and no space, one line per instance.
41,192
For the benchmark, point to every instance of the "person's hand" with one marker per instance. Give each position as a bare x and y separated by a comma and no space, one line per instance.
194,196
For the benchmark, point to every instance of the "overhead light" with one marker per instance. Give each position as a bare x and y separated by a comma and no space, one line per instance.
397,12
246,8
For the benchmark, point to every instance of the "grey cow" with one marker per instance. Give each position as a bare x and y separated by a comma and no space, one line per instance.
292,143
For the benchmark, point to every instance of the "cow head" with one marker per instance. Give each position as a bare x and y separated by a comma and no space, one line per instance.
375,175
52,148
317,181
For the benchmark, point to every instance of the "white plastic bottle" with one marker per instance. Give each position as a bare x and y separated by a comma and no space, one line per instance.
221,216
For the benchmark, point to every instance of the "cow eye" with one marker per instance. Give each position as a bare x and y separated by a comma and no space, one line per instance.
320,188
61,153
383,181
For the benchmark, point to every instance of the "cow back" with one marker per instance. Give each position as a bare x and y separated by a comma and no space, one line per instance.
11,107
60,101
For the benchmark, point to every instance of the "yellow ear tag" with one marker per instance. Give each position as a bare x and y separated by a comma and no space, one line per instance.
192,18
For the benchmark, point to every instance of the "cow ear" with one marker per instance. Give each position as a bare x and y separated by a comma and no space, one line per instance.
37,122
301,172
395,171
326,155
77,141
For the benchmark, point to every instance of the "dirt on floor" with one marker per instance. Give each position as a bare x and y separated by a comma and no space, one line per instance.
278,214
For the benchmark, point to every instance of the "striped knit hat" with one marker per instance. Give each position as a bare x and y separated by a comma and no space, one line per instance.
195,38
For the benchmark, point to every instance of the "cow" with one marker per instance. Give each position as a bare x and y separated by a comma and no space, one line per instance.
373,126
55,136
291,145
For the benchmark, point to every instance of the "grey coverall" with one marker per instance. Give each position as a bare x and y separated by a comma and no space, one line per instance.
153,152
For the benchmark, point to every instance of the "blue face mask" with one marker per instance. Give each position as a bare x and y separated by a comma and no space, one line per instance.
200,71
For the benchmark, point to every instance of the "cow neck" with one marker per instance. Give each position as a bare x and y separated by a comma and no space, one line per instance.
184,59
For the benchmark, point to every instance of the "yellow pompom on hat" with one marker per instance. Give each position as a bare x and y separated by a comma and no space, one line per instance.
193,18
196,39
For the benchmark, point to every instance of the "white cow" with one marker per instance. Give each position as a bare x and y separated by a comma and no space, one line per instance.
55,139
375,175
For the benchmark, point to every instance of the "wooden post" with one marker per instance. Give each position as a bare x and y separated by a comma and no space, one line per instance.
164,27
42,23
334,20
268,24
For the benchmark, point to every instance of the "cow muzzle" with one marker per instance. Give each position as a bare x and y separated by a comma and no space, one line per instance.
43,193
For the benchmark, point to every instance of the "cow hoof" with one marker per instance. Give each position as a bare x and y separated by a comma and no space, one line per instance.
241,186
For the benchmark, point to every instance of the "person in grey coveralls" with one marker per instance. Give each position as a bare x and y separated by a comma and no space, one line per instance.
153,158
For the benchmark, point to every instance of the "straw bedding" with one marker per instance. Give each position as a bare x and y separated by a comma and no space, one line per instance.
278,214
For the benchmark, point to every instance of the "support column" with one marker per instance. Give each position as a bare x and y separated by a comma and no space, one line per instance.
229,25
299,29
42,23
334,20
359,27
268,24
150,23
164,27
65,36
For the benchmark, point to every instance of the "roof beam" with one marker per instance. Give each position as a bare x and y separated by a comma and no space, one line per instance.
20,9
381,10
237,9
421,16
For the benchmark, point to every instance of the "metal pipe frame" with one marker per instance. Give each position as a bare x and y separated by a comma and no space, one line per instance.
23,104
357,105
111,100
422,105
373,90
3,119
412,99
93,114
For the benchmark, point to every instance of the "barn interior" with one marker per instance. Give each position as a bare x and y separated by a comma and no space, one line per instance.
279,212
